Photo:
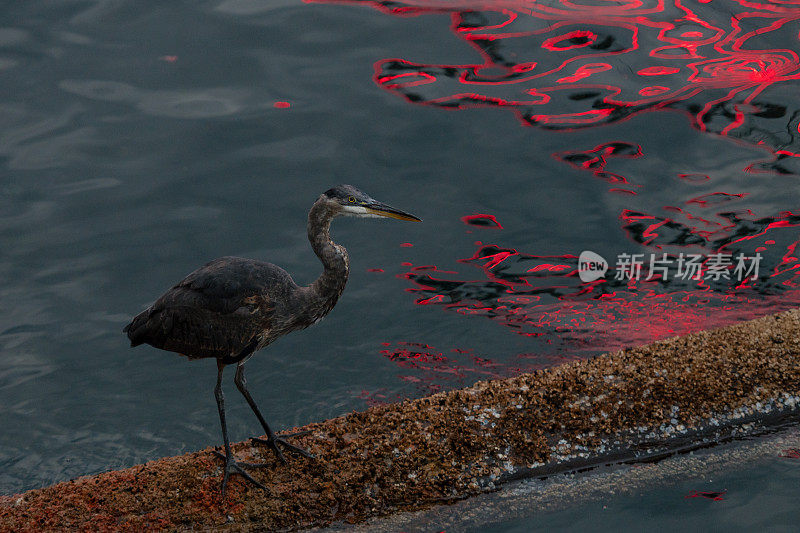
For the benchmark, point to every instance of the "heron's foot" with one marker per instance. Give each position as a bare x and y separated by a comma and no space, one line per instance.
275,440
235,467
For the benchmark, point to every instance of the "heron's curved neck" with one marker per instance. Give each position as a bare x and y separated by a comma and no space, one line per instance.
333,256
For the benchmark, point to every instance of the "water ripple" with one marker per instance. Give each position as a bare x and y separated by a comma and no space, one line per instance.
192,104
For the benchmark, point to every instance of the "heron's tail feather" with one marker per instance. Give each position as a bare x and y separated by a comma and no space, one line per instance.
138,329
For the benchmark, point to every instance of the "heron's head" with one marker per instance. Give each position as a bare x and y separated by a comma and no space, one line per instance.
349,201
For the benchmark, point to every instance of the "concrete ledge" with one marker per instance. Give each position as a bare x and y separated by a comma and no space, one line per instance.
635,404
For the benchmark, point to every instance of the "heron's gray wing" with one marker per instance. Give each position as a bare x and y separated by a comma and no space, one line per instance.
220,310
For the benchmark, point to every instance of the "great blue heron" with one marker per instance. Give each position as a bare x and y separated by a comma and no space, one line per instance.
232,307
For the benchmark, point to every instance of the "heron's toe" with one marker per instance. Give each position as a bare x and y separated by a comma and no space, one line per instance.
292,447
280,440
234,467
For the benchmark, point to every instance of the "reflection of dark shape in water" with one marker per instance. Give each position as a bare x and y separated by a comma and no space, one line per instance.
564,65
737,231
596,159
486,221
709,495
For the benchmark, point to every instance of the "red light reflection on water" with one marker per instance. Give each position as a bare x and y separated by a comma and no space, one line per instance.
560,65
430,370
709,495
488,221
791,453
596,159
542,296
565,65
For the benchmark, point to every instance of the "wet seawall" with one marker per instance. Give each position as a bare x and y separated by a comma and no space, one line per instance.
638,404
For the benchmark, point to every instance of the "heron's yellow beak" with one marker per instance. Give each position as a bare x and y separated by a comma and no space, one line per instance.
384,210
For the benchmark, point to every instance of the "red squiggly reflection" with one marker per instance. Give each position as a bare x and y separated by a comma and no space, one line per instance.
481,220
429,370
560,65
564,65
536,295
595,160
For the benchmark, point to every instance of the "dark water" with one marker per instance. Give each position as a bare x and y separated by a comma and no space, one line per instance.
754,498
142,139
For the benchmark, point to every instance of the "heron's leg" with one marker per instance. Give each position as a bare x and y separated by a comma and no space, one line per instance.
231,466
272,439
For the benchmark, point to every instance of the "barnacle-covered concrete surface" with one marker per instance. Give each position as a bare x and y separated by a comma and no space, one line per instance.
634,404
534,503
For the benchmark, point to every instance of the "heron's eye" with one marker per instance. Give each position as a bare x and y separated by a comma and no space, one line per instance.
351,199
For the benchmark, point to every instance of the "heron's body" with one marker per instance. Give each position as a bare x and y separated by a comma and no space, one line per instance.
232,307
227,309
